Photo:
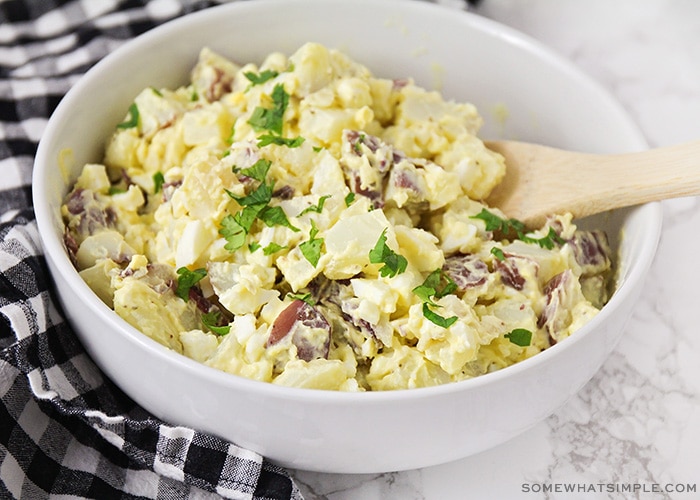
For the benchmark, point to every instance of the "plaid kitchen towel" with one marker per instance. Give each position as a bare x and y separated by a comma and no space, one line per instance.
65,429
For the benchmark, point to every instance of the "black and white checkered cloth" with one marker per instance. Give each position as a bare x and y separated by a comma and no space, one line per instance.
65,429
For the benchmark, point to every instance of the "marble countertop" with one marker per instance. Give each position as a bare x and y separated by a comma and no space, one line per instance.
634,430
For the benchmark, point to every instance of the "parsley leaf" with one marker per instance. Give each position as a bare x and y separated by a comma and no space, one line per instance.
273,248
306,297
229,139
234,228
317,207
349,198
133,120
258,170
547,241
262,77
498,253
434,317
271,119
187,279
311,249
211,321
437,285
275,216
496,223
233,232
261,195
158,181
520,336
508,227
358,143
291,142
381,254
247,216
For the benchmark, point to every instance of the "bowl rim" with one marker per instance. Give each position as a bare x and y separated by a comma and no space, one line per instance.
55,250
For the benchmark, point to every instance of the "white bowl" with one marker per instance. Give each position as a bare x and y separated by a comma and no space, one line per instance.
468,58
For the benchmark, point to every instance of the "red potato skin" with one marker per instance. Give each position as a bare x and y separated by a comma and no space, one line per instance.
466,270
510,275
308,317
284,322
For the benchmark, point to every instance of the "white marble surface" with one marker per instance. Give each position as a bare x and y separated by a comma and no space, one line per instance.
638,421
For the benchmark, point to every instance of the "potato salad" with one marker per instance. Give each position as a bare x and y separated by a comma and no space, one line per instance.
305,223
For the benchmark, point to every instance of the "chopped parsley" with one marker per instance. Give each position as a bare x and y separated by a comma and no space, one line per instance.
247,216
436,285
311,249
496,223
186,279
510,227
273,248
358,144
267,250
434,317
271,119
547,241
255,205
261,195
229,139
133,120
233,232
349,198
520,336
292,142
306,297
257,171
381,254
318,207
275,216
498,253
158,181
260,78
211,321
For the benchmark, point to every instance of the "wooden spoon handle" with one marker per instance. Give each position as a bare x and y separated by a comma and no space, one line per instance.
541,181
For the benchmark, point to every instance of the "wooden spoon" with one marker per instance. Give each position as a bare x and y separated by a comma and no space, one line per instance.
541,181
